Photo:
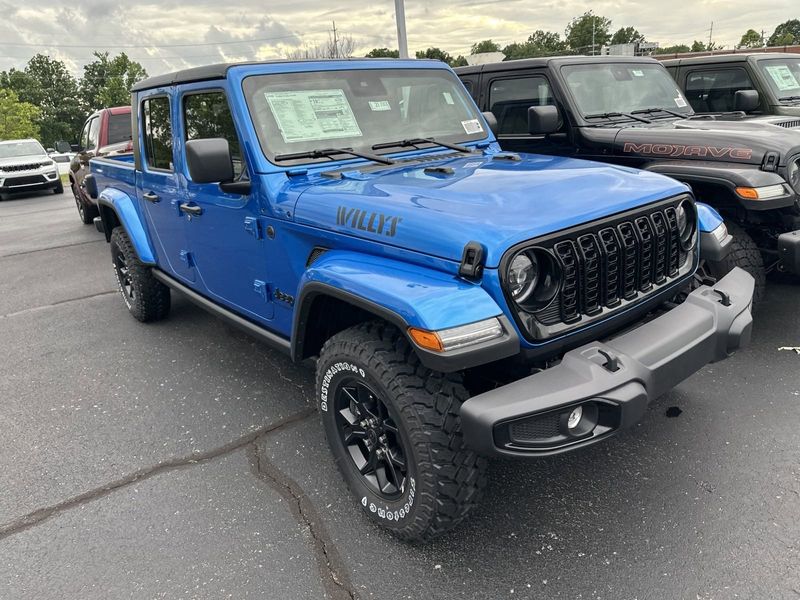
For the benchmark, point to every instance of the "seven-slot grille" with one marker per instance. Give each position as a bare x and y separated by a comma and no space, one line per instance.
615,262
28,167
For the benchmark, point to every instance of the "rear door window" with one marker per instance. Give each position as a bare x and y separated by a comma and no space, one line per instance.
714,90
509,100
157,129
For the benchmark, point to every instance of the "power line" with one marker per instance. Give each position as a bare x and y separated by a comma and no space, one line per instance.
250,41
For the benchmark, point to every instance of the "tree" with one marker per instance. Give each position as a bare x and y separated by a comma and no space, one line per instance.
751,39
676,49
459,61
588,32
785,34
697,46
17,119
107,82
339,47
484,46
627,35
539,43
383,53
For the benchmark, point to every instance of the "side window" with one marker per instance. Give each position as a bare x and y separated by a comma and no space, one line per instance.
84,141
509,100
208,115
157,130
714,90
94,134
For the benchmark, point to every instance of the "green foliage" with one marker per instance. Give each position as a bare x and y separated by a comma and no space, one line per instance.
539,43
445,57
751,39
697,46
676,49
627,35
785,34
459,61
382,53
18,120
484,46
579,32
107,82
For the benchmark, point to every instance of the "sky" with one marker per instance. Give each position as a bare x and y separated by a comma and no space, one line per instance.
175,34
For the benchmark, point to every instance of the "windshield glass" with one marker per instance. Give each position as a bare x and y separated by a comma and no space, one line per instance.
614,88
12,149
357,109
782,75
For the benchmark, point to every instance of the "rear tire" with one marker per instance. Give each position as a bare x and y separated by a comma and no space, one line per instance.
383,411
745,254
87,213
147,298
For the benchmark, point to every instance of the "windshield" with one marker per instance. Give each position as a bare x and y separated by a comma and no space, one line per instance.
358,109
782,75
13,149
623,88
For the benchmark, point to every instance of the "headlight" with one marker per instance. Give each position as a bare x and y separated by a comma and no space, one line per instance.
687,224
793,175
522,275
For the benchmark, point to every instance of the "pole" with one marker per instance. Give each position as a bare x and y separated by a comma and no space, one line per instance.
710,33
400,16
335,42
593,36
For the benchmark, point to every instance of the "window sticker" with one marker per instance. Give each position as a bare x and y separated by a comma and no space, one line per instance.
637,73
783,77
472,126
680,102
448,97
310,115
379,105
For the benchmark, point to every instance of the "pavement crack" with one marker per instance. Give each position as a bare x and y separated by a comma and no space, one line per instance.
331,567
58,303
24,252
42,514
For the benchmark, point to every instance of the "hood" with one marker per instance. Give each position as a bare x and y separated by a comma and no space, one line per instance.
25,160
737,141
495,202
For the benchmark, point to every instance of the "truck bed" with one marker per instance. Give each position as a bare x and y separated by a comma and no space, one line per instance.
116,172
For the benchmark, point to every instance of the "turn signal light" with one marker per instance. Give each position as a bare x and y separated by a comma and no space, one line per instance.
761,193
426,339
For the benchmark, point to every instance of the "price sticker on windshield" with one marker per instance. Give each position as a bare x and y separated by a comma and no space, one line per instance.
783,77
680,102
472,126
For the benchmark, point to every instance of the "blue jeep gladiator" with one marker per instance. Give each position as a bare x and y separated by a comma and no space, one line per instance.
460,302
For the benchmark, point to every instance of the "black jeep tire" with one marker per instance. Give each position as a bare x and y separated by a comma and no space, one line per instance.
59,187
745,254
87,213
147,298
419,428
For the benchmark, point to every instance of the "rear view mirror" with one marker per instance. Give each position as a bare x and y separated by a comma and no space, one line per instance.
543,120
745,100
209,160
491,120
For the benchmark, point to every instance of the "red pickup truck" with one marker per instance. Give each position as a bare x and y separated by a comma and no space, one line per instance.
107,132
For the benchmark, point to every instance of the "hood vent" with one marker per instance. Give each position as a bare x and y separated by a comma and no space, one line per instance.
789,124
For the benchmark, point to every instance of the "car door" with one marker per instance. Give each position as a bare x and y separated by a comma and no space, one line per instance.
225,231
159,191
87,146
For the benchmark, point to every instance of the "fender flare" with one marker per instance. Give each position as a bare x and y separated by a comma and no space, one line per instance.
407,296
124,209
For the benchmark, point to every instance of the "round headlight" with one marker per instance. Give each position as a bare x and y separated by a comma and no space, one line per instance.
794,175
522,275
687,224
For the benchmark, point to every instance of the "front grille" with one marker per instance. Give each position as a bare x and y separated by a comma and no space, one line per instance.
789,124
30,180
609,264
28,167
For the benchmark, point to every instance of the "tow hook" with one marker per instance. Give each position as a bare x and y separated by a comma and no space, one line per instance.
725,298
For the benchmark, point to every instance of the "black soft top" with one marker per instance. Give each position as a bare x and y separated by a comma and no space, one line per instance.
546,61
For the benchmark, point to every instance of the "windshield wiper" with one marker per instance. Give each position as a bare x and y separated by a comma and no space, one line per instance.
608,115
331,152
647,111
789,98
417,141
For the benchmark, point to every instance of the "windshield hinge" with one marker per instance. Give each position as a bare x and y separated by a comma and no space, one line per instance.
471,266
770,162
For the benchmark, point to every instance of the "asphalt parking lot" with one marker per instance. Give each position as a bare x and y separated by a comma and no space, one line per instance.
184,460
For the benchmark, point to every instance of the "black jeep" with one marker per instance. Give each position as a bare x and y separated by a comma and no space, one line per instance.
629,111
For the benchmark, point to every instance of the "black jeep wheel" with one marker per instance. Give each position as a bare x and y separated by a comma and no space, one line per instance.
394,430
745,254
86,213
147,298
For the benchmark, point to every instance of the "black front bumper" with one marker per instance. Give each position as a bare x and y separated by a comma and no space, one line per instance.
614,380
789,252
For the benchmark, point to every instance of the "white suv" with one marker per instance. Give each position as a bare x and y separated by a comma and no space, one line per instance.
26,167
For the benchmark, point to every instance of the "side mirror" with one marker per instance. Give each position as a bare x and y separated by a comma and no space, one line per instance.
209,160
746,100
491,120
543,120
50,150
75,148
63,147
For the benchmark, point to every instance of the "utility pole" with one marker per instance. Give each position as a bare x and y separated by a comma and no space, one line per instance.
593,21
335,42
762,38
710,33
400,16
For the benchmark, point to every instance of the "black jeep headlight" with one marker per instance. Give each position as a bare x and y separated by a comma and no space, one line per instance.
793,175
687,224
533,278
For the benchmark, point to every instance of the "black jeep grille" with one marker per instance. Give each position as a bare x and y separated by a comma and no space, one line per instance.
605,265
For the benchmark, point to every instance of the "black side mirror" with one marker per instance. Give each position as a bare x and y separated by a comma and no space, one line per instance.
63,147
209,160
745,100
543,120
75,148
491,120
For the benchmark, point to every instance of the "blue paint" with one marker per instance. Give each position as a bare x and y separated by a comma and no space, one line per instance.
708,218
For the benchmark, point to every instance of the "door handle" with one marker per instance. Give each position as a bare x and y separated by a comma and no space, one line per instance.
151,197
191,209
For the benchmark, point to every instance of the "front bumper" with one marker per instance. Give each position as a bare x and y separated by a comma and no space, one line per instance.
789,252
613,380
25,181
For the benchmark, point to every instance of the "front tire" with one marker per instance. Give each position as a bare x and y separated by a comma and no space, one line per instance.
745,254
147,298
394,429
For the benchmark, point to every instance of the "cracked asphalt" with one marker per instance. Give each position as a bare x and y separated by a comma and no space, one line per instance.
185,460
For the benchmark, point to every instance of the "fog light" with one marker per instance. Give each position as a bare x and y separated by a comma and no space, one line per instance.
574,417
